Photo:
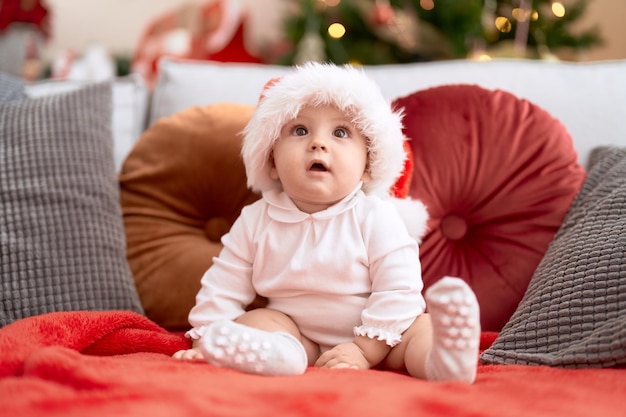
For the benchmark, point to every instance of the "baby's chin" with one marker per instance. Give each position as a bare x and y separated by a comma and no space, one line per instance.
312,205
311,208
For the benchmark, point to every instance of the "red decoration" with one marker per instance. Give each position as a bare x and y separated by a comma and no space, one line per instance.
214,31
34,12
382,13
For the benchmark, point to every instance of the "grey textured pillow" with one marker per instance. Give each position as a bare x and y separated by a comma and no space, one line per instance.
574,311
62,244
11,88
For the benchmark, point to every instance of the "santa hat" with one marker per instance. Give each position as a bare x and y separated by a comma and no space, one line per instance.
314,84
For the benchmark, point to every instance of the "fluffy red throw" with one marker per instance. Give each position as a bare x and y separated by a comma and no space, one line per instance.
118,364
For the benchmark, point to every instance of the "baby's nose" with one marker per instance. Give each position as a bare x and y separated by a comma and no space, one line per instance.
318,142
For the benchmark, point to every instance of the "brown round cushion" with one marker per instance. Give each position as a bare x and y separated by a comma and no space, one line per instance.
182,186
498,175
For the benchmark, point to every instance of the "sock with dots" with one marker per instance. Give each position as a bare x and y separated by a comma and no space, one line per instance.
456,331
233,345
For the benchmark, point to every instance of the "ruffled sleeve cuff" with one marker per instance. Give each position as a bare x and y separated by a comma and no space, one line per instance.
390,337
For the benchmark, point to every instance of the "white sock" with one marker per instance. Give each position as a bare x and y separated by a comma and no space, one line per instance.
233,345
456,331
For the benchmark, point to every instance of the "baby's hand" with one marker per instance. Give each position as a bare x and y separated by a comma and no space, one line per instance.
344,355
188,354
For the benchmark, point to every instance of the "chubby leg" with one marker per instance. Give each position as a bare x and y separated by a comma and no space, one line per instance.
442,345
262,341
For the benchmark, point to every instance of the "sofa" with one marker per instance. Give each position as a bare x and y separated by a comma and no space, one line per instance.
115,197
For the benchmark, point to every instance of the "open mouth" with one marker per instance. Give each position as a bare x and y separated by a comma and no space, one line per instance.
318,167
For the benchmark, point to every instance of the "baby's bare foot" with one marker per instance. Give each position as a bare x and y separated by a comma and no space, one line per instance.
188,354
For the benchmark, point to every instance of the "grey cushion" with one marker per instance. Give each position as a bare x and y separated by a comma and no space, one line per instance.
62,244
11,88
574,311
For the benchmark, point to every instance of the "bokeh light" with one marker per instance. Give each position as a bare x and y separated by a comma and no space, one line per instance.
427,4
503,24
558,9
336,30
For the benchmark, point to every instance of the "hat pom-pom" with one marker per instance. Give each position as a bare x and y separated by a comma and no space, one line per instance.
415,216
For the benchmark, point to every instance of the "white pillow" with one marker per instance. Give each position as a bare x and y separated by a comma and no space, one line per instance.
588,98
186,83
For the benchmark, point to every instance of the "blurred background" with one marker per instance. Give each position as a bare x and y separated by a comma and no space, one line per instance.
98,39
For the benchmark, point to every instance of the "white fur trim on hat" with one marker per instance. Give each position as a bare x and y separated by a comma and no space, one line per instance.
316,84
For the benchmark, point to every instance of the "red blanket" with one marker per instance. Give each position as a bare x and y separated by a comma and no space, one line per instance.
119,364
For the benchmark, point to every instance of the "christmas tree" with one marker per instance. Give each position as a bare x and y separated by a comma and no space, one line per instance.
371,32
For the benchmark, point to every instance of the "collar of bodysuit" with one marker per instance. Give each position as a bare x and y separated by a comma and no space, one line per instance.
282,208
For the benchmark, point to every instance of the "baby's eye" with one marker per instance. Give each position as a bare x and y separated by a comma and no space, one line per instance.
300,131
341,132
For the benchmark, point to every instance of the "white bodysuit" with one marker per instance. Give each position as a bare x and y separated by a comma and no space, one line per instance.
351,269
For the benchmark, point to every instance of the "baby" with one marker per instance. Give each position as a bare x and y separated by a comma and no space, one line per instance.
327,247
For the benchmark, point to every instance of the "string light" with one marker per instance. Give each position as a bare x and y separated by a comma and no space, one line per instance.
558,9
427,4
523,15
322,5
336,30
503,24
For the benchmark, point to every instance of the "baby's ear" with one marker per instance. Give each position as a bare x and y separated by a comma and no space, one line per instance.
273,172
366,177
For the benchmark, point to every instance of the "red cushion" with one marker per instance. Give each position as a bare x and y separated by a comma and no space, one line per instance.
497,174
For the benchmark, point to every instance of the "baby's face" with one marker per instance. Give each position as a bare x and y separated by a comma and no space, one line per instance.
319,158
